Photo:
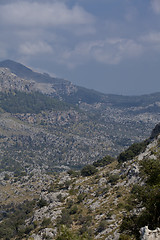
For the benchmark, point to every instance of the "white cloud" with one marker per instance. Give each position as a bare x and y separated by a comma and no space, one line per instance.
35,27
156,6
35,48
152,37
113,51
109,51
151,42
33,14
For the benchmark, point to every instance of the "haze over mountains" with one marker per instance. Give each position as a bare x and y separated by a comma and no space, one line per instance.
53,122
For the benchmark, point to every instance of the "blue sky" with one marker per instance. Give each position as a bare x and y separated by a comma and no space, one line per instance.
112,46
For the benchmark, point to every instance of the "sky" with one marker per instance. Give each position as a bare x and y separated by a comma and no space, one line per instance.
112,46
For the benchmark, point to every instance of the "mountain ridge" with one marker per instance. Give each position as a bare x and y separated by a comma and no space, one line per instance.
43,196
22,71
94,125
28,74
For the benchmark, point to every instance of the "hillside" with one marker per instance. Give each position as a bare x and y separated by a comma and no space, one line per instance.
111,199
57,125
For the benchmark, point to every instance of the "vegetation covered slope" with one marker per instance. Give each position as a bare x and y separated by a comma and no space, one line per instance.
38,130
106,200
36,122
35,102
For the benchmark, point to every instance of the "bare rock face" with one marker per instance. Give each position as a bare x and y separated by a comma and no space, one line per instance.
9,80
147,234
55,87
47,233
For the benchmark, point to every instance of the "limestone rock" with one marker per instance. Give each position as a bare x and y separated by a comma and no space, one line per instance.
147,234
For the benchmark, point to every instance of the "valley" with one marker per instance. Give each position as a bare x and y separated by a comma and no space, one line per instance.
62,125
76,164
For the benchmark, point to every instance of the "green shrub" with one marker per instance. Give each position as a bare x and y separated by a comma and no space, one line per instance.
104,161
147,196
69,203
14,224
102,226
60,198
6,177
46,222
66,234
73,173
73,210
113,179
151,169
42,202
81,197
88,170
28,229
132,151
65,218
155,132
85,220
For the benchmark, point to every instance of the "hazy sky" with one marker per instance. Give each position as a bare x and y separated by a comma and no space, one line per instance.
112,46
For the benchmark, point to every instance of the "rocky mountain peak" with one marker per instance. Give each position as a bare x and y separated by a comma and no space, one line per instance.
33,80
10,81
16,68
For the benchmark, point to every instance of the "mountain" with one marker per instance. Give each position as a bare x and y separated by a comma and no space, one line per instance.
12,72
109,199
50,123
72,93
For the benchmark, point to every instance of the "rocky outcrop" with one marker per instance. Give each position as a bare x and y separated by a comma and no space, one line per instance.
55,87
10,81
147,234
47,233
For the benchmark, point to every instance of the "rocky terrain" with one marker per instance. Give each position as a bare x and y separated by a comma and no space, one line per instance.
93,203
57,180
81,127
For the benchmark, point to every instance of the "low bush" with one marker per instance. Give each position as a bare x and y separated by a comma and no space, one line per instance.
65,218
132,151
102,226
42,202
104,161
88,170
147,197
113,179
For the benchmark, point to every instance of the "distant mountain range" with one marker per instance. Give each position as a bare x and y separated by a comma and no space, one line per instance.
52,123
72,93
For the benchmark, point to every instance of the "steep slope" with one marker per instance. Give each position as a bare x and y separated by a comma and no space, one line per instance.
27,73
100,202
